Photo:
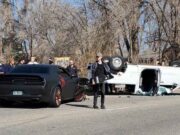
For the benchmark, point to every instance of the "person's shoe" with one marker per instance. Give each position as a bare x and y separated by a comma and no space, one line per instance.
95,107
103,107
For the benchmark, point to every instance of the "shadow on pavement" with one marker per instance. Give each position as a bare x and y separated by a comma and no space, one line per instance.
29,105
25,105
77,105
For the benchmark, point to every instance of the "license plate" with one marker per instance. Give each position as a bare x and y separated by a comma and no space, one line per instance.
17,93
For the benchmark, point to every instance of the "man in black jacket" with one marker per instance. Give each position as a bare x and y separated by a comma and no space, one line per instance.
72,69
100,71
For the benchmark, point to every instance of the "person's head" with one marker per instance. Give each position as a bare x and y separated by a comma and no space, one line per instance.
22,61
98,56
71,62
11,61
51,61
33,59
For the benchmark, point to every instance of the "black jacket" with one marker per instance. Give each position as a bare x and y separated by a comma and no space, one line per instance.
73,71
106,68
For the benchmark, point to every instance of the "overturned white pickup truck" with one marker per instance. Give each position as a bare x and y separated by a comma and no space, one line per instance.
139,79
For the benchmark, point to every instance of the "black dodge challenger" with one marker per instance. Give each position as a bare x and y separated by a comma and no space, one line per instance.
43,83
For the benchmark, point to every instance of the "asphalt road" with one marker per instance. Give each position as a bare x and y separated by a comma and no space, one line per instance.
134,115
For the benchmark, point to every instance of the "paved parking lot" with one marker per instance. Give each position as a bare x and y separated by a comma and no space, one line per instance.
124,115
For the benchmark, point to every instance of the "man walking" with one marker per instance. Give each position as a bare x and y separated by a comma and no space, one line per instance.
100,71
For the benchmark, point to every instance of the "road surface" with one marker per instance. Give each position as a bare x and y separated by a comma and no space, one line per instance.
124,115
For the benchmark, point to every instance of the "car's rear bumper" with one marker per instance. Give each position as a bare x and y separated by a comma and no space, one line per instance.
27,93
22,98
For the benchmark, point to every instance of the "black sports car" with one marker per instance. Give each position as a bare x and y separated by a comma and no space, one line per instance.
43,83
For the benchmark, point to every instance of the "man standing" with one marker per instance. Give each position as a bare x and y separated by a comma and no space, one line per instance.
50,61
72,69
100,71
33,60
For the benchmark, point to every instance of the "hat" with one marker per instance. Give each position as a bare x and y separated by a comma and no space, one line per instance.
99,54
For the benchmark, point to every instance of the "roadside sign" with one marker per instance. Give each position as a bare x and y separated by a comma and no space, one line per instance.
62,61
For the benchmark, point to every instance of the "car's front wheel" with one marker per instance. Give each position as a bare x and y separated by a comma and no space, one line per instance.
56,97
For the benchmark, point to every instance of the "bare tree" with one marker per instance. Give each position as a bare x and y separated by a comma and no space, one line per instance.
165,17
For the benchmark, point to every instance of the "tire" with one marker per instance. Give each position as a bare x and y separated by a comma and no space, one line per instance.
56,97
116,63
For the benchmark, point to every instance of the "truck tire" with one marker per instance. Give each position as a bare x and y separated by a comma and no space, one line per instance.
116,63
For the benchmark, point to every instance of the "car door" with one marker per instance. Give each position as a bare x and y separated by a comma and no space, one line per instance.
68,84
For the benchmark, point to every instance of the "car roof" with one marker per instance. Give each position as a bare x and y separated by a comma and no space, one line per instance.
39,65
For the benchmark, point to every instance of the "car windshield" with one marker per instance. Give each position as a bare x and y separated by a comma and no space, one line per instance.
31,69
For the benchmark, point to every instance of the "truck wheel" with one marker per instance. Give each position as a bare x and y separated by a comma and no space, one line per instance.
56,97
116,63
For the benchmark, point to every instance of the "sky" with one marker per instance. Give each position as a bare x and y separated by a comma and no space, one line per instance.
19,3
73,2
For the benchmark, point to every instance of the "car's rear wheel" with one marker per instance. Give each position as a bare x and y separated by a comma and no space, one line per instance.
56,97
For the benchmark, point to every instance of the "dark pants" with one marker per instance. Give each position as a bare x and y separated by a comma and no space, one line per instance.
99,89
